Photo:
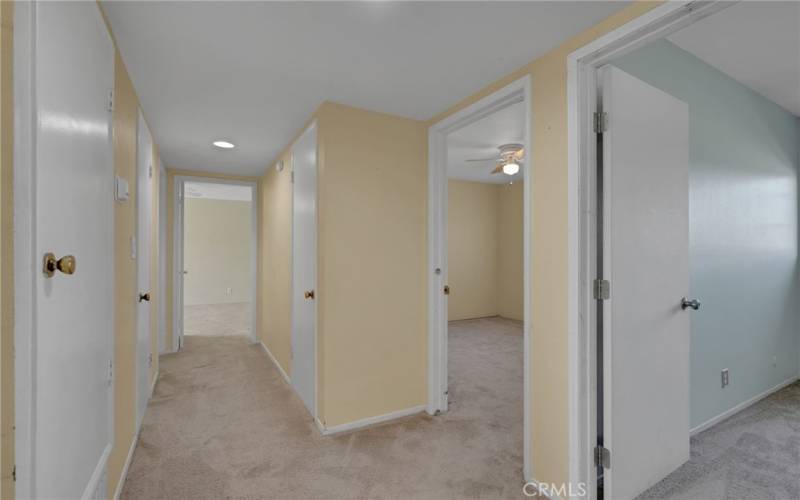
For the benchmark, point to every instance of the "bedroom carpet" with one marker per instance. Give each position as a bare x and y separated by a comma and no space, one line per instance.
223,424
217,320
754,454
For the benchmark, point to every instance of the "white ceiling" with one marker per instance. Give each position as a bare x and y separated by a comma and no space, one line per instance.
756,43
253,72
217,191
480,139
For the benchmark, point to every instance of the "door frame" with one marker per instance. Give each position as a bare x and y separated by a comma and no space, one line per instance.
515,92
314,411
582,68
177,251
27,263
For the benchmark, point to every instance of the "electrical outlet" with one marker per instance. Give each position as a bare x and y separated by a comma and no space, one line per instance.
725,378
228,291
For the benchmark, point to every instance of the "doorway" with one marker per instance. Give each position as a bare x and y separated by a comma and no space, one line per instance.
452,277
686,178
215,256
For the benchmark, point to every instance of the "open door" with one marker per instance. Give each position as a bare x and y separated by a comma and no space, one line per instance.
64,225
144,210
645,259
304,267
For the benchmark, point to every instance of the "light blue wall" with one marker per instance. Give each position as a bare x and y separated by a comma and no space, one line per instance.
743,237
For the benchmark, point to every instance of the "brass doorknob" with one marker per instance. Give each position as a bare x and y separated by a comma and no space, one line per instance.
144,296
447,289
309,294
65,264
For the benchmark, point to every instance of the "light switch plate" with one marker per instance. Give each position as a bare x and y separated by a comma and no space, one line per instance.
121,190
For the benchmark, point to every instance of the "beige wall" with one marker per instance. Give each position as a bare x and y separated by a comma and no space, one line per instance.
484,241
6,253
548,348
372,261
274,314
472,212
217,250
510,235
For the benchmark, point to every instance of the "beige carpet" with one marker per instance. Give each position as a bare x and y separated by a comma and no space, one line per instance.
223,424
217,320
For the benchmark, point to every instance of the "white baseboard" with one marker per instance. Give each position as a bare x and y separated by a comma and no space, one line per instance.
97,476
741,406
275,362
367,422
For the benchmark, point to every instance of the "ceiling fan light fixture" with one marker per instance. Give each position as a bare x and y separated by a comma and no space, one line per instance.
511,168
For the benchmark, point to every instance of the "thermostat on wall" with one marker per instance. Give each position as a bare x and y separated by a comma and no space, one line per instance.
120,189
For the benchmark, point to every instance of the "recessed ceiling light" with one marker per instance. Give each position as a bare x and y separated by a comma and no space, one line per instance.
224,144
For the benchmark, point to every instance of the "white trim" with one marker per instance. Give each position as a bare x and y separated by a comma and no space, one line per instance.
741,406
517,91
581,67
24,246
277,365
368,422
97,476
178,220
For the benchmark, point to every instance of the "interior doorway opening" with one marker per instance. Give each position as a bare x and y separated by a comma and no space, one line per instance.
686,168
479,292
215,255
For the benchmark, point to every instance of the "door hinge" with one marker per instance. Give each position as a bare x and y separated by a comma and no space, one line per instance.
110,372
602,457
602,289
291,176
600,122
111,100
14,474
149,360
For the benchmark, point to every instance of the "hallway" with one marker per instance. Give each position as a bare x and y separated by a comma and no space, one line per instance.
224,424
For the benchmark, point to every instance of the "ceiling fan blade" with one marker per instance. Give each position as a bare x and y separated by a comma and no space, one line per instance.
519,154
497,169
483,159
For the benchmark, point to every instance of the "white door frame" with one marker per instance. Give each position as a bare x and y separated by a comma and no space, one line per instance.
27,264
582,66
177,252
517,91
162,257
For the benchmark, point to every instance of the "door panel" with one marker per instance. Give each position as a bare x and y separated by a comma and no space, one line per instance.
645,256
74,72
144,204
304,267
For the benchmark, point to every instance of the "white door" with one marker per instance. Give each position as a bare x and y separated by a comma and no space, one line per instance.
180,272
645,257
71,337
144,204
304,267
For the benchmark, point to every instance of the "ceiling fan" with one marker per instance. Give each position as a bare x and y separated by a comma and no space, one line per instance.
511,156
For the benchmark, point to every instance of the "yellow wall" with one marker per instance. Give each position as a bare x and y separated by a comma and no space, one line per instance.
372,259
6,253
549,356
217,250
171,174
510,232
484,241
472,212
274,314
